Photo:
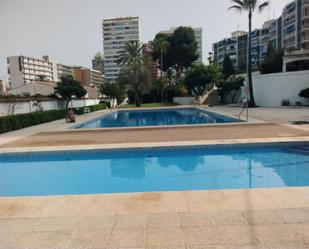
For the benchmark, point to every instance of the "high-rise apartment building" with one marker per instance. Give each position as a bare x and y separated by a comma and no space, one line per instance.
199,39
116,32
198,32
98,62
291,25
305,24
288,32
235,47
24,69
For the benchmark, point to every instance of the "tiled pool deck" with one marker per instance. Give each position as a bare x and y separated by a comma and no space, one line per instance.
224,219
264,218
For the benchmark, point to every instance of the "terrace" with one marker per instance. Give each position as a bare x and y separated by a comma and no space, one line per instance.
251,218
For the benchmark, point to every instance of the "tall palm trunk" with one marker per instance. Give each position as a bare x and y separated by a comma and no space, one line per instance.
136,91
251,101
161,76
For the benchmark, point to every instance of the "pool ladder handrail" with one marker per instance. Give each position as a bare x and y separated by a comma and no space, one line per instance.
245,108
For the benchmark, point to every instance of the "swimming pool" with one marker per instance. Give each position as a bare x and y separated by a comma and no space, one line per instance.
156,117
156,169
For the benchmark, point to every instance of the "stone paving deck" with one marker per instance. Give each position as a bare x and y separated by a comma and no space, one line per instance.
148,135
223,219
262,218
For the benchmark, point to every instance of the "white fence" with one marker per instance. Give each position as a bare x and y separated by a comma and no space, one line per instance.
30,105
272,89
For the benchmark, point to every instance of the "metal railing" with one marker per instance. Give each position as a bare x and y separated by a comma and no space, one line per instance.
244,109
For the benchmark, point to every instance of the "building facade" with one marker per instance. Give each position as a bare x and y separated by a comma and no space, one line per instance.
98,62
88,77
116,33
3,87
305,24
24,69
64,70
288,32
198,32
235,47
291,25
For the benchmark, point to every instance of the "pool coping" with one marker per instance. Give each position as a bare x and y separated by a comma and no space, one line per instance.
128,146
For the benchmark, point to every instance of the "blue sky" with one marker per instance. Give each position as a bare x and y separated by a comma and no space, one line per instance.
70,30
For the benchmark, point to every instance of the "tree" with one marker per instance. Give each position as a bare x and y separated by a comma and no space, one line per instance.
160,46
304,93
69,89
200,77
272,62
135,73
228,67
183,49
180,50
231,86
113,90
249,6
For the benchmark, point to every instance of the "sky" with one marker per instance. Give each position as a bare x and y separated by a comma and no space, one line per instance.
70,31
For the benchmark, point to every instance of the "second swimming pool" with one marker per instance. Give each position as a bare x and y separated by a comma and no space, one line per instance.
156,117
152,170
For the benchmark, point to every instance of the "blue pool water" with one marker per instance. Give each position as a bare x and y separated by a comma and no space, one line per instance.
156,117
148,170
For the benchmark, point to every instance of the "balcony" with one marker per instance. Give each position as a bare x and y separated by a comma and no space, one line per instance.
305,3
305,27
305,13
305,37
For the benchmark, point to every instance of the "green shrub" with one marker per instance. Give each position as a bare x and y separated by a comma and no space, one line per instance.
19,121
93,108
304,93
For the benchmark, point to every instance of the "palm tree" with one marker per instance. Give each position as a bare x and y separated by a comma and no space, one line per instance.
250,6
135,66
161,45
133,54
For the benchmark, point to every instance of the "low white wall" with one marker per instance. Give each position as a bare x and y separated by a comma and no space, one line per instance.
184,100
271,89
27,106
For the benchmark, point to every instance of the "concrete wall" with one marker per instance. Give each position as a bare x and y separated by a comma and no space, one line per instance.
184,100
27,106
272,89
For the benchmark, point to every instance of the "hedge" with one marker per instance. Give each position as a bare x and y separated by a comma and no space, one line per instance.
19,121
93,108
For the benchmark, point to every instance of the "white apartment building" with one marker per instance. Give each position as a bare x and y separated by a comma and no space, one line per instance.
64,70
291,25
198,37
117,32
305,24
24,69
